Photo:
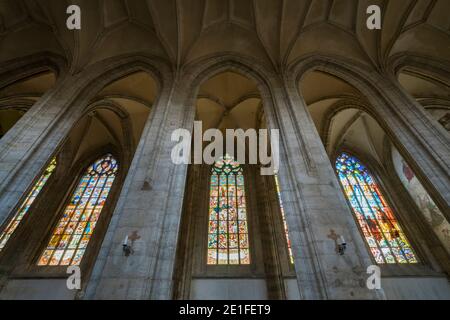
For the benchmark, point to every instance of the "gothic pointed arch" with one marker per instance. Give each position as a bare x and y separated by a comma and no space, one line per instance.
18,97
377,222
228,231
70,238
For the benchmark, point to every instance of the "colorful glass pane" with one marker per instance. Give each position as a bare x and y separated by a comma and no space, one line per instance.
427,206
26,204
283,217
227,229
77,223
385,238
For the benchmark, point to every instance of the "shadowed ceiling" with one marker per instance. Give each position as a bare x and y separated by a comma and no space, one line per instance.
331,103
273,32
430,92
230,101
276,32
118,117
18,97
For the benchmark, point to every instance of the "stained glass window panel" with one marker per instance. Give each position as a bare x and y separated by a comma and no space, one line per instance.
430,211
283,217
380,228
227,229
26,204
75,228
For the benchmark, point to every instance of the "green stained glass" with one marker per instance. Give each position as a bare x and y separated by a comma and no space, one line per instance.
227,229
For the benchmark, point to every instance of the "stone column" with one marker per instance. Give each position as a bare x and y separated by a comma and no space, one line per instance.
148,211
27,147
315,207
422,139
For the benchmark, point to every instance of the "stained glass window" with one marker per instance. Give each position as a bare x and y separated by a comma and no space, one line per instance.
26,204
76,226
227,230
283,216
381,230
430,211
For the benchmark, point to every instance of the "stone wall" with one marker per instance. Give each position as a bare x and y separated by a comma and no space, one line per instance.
151,201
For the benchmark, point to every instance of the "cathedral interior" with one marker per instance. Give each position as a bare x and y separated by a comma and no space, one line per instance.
87,182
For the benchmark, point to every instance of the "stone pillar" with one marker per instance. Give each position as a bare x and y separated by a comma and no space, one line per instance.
315,207
422,140
27,147
148,211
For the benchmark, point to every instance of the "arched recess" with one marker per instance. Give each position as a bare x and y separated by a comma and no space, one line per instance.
18,97
230,98
394,112
431,92
347,123
63,113
111,125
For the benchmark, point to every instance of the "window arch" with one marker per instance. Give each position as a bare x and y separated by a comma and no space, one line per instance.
228,241
381,230
74,230
26,204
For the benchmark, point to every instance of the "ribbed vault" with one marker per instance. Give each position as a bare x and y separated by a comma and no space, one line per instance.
275,32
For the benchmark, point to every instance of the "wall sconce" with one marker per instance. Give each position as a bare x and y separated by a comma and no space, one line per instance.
127,249
341,245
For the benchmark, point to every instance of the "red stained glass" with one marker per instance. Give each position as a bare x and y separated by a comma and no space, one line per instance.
379,227
227,231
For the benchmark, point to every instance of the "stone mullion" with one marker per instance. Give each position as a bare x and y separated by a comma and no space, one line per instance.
271,251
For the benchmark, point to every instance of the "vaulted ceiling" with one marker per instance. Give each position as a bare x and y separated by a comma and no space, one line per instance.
19,96
358,131
275,32
230,101
116,116
430,92
335,107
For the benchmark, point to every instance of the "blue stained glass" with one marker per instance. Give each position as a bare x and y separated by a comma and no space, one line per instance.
376,220
89,196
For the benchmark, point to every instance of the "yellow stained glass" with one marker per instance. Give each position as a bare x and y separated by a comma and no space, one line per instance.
227,227
72,234
26,204
380,228
283,217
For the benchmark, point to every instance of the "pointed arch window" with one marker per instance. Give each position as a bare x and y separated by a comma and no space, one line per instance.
381,230
74,230
228,241
283,217
26,204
